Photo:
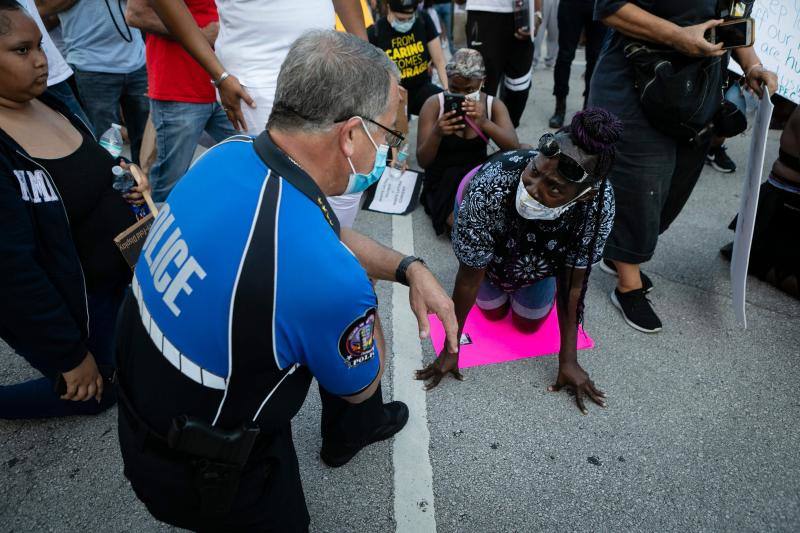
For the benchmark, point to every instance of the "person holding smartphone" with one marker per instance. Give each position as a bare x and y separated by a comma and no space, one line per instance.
651,191
61,276
453,132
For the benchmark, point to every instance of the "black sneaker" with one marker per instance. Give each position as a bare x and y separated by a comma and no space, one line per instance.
609,268
636,310
396,418
719,160
557,120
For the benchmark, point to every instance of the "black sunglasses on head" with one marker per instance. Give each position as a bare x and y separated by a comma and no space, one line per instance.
568,168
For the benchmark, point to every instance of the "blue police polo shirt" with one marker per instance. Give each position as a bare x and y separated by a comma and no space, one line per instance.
243,274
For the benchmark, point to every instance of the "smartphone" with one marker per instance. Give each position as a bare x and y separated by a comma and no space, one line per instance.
452,102
522,15
735,33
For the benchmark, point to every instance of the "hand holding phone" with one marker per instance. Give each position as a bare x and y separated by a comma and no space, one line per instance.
736,33
454,102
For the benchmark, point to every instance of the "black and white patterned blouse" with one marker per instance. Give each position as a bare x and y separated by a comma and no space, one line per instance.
516,252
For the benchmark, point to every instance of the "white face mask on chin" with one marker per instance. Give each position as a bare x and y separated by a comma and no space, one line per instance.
529,208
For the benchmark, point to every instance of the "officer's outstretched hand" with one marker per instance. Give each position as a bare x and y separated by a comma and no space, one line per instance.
426,296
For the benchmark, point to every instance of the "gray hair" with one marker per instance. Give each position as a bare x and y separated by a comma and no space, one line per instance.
329,76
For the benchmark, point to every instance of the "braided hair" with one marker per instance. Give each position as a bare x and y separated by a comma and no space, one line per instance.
594,131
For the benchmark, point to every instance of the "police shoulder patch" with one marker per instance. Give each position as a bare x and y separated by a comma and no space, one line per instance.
357,342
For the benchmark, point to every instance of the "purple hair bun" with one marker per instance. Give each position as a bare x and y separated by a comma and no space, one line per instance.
595,130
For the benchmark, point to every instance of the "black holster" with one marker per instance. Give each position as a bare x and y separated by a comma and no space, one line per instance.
217,457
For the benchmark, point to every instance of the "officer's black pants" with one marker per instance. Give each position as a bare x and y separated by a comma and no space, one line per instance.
345,425
573,17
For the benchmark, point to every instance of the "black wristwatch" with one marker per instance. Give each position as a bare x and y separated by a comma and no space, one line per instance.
400,274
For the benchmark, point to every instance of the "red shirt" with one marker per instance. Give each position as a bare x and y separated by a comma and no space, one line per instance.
172,74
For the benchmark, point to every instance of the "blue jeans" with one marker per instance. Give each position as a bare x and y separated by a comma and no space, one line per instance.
179,126
103,94
63,92
532,302
37,399
445,12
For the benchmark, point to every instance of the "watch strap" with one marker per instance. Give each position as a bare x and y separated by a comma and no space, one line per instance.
400,274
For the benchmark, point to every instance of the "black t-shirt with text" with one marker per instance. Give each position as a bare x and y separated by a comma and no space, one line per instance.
409,51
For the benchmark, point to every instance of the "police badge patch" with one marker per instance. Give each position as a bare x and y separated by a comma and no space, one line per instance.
357,343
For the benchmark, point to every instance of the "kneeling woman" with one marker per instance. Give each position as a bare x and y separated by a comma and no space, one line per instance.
61,276
530,226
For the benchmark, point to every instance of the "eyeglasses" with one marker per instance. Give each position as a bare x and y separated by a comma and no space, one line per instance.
393,137
568,168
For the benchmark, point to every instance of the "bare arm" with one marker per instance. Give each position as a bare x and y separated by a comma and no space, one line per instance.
755,73
465,292
352,17
140,15
635,22
570,373
177,19
53,7
428,139
437,58
500,128
425,294
431,130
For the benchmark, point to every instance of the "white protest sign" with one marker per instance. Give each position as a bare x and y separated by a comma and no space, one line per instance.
777,26
746,219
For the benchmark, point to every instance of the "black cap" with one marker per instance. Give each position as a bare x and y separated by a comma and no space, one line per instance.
403,6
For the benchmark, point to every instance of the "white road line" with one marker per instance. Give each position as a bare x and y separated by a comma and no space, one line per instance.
413,475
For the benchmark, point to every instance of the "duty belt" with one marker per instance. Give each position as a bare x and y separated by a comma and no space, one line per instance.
217,456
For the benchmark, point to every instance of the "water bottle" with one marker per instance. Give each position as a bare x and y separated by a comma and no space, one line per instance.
112,140
123,183
399,161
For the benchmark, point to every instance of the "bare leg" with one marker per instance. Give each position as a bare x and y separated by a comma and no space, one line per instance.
498,313
527,325
630,278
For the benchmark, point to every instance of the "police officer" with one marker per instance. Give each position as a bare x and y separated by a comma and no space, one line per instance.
247,287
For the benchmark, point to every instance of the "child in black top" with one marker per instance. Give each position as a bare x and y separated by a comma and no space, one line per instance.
450,144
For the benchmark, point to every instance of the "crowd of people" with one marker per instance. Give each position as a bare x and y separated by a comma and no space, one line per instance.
209,346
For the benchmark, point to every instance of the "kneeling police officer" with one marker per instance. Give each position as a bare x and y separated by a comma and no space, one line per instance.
247,287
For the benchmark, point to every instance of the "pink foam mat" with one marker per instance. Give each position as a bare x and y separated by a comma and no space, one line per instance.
500,341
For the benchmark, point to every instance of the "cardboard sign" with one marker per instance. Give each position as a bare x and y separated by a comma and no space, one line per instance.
131,241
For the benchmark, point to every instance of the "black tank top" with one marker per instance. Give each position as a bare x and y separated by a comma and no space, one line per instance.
97,213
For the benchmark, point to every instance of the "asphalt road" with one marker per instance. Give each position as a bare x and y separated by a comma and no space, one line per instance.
701,432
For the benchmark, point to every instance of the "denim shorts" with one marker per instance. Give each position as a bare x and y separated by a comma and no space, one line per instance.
532,302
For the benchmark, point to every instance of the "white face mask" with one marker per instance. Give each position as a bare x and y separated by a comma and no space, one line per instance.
529,208
476,96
